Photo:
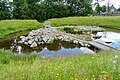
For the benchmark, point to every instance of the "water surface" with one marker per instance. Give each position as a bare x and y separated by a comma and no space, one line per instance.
58,48
111,39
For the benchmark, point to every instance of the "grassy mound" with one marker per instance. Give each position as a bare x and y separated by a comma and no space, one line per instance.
108,22
101,66
11,26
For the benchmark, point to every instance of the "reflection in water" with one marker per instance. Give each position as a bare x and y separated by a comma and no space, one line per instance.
111,39
62,52
57,48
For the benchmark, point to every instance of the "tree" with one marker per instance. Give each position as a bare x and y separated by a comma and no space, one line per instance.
108,6
79,7
98,7
46,9
103,8
20,9
119,9
4,10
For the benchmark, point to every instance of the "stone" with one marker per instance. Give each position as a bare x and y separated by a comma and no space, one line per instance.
22,37
81,43
30,42
42,36
45,39
39,43
75,42
86,45
61,37
19,48
36,39
47,24
34,44
21,42
26,43
48,35
29,37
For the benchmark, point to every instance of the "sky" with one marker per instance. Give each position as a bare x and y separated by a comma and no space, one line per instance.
116,3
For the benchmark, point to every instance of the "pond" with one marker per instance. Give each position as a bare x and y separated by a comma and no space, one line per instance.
61,48
111,39
58,48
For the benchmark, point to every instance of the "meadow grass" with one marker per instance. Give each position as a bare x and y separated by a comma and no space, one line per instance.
8,27
107,22
104,65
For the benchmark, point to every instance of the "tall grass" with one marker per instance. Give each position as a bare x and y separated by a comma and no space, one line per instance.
101,66
108,22
11,26
104,65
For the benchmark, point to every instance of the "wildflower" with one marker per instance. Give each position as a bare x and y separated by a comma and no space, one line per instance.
93,57
101,62
76,79
114,61
93,75
57,74
116,56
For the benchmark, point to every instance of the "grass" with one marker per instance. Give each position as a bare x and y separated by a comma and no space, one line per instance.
101,66
104,65
107,22
8,27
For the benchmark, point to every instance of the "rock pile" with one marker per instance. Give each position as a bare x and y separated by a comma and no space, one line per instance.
37,37
91,28
47,35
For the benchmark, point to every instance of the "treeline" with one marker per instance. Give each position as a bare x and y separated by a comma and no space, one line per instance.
44,9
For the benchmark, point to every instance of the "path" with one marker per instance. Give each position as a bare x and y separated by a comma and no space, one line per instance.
99,46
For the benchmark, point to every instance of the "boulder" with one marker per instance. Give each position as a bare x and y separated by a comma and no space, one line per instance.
42,36
22,37
75,42
26,43
36,39
29,37
39,43
21,42
45,39
30,42
61,37
34,44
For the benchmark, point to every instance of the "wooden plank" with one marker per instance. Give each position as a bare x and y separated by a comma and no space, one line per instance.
99,46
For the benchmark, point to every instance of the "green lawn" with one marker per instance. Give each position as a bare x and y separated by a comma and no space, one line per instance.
100,66
8,27
104,65
108,22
